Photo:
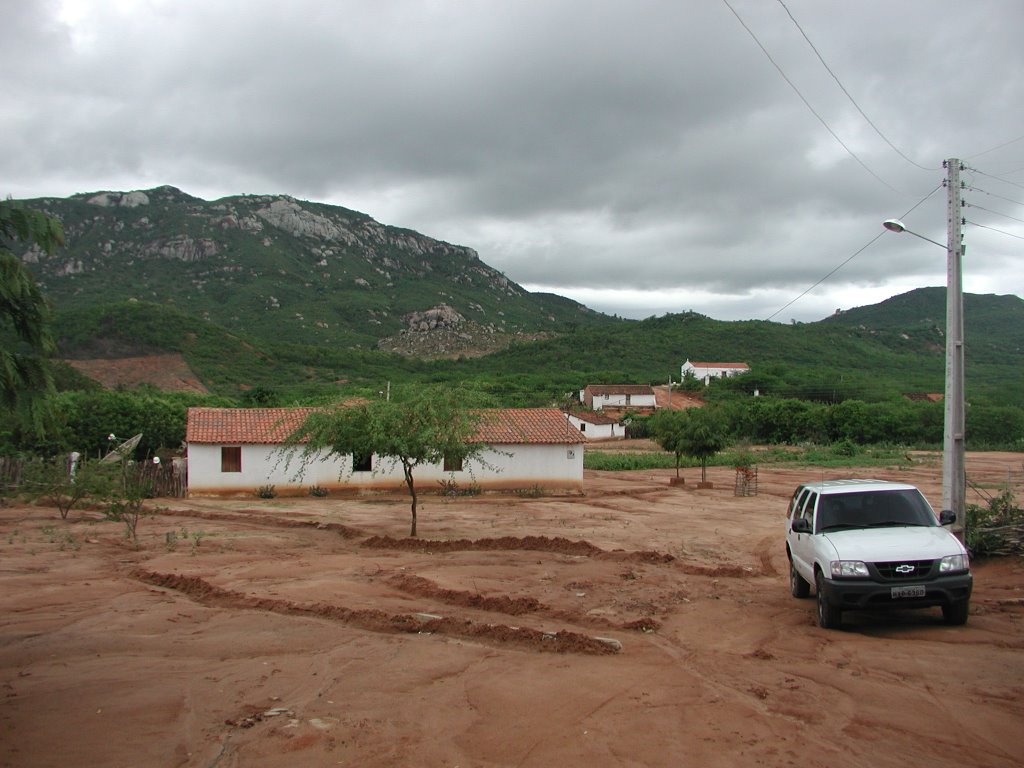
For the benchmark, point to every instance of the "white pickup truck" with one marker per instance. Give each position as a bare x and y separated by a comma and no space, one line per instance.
872,544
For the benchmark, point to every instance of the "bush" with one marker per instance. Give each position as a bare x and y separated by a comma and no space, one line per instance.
266,492
50,481
125,504
317,491
997,529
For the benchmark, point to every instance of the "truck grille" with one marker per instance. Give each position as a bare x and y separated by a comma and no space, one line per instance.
905,570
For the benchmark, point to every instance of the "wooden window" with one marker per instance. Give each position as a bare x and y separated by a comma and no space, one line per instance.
452,463
231,458
362,463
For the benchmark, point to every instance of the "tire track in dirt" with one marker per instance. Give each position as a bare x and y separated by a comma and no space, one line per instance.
373,620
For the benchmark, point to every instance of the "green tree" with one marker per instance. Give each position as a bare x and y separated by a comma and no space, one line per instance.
426,426
666,427
696,432
25,378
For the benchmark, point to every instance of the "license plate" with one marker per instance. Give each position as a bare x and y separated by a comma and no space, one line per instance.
915,591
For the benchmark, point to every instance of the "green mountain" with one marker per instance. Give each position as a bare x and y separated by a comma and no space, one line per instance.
279,268
305,299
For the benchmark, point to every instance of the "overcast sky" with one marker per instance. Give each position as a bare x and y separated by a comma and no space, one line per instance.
641,157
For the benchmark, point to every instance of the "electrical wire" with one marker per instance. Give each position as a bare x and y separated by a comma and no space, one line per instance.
807,104
848,96
997,213
998,178
1000,231
993,194
1004,144
852,256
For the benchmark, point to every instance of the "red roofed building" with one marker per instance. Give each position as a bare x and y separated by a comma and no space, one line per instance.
705,372
234,451
619,399
598,426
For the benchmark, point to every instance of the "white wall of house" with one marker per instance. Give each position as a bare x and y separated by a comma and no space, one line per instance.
597,431
620,400
705,373
553,467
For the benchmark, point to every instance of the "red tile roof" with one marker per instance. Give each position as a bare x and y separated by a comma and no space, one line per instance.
507,426
237,426
595,417
270,426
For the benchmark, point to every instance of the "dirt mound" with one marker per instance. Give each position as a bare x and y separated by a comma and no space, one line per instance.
202,591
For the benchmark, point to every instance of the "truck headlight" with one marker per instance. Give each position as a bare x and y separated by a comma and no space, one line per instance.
953,563
845,569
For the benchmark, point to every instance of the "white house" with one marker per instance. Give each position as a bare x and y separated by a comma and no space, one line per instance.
622,397
705,372
234,451
597,426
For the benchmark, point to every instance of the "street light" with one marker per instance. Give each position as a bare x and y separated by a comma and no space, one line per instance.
895,225
954,477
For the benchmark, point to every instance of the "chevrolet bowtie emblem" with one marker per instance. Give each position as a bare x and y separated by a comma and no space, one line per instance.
904,568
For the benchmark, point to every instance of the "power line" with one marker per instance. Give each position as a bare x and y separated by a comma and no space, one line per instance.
1000,231
1004,144
852,256
998,178
848,96
993,194
997,213
796,90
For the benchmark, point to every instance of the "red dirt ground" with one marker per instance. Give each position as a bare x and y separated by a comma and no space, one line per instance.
638,625
169,373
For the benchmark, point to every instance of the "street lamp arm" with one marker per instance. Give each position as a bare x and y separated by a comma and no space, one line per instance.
895,225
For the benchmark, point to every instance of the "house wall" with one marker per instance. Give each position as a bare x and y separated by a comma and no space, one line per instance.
597,431
552,467
599,402
706,373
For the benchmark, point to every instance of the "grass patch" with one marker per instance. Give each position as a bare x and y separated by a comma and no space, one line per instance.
839,455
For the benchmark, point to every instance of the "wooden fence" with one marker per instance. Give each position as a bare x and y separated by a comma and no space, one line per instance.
169,479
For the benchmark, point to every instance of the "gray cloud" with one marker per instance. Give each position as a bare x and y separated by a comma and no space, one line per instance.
642,157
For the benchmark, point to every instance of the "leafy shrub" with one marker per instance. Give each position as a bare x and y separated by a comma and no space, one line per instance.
51,482
533,492
318,491
997,529
125,504
845,447
266,492
451,488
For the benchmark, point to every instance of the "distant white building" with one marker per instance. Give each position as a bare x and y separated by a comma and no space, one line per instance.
597,426
705,372
619,397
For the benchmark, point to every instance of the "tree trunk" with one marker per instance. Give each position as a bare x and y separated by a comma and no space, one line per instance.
407,470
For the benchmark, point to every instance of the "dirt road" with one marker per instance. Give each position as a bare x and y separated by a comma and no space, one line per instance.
638,625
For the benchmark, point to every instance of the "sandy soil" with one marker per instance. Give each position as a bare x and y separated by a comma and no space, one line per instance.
638,625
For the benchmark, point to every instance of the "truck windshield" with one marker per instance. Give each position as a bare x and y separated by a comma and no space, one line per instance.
873,509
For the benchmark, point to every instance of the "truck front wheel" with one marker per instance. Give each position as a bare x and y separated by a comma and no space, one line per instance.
829,616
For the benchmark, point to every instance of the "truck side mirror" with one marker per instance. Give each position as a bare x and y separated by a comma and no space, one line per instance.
800,525
947,517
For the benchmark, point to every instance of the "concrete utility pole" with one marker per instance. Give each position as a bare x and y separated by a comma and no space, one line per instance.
954,473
